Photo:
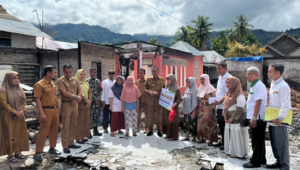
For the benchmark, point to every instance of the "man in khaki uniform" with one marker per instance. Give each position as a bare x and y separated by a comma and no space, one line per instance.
153,86
45,97
140,83
70,91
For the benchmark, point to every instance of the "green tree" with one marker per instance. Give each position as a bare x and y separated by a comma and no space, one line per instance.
250,40
297,36
201,32
220,44
241,27
153,40
182,34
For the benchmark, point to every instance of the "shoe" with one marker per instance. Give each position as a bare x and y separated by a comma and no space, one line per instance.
105,131
149,133
90,136
67,150
218,145
77,141
38,157
74,146
250,165
159,134
222,147
97,134
85,140
54,151
274,165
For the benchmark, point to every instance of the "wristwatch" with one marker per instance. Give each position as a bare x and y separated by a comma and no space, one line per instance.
76,97
279,120
254,118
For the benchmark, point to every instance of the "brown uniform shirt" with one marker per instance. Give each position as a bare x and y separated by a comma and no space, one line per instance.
70,85
154,85
141,85
46,91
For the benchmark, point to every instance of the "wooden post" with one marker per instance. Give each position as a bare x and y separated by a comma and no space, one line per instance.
140,57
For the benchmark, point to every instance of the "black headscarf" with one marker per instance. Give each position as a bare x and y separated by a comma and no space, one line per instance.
117,89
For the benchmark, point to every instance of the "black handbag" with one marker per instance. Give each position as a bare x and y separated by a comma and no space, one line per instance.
243,120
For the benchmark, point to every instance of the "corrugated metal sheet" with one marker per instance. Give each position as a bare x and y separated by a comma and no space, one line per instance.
134,45
212,56
183,46
47,44
21,27
66,45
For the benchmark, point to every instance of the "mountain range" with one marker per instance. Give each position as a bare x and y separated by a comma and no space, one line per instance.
96,34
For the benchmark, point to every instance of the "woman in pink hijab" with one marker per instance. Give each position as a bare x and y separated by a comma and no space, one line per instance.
130,102
207,121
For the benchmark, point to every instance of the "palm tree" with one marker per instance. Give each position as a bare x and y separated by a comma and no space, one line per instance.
182,34
153,40
202,31
241,27
232,35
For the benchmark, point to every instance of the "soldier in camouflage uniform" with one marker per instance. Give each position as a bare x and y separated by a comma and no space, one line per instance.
96,89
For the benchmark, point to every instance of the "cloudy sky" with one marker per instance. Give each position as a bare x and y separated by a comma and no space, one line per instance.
131,16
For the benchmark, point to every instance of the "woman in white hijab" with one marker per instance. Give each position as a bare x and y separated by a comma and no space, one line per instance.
207,121
189,107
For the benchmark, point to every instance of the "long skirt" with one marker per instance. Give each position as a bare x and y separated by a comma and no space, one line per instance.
236,140
207,125
171,129
190,125
13,134
83,123
117,121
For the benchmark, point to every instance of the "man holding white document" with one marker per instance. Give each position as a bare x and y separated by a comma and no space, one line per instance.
280,97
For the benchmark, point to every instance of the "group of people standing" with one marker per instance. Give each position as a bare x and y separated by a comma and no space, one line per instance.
122,101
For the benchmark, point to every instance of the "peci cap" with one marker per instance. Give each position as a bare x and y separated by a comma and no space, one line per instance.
111,72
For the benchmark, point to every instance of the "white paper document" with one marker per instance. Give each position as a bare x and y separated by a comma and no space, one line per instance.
211,100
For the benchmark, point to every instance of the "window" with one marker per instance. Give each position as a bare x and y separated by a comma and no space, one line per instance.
5,42
196,69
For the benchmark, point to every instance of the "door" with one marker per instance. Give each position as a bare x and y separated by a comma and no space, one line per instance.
99,75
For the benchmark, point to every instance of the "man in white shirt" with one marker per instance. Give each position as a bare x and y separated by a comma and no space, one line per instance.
107,84
280,97
256,104
221,91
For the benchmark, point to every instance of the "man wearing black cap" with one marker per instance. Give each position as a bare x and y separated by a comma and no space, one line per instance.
107,84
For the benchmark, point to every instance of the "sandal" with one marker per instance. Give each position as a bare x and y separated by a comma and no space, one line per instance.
127,134
19,156
210,144
134,134
185,139
112,135
12,159
200,141
120,132
194,140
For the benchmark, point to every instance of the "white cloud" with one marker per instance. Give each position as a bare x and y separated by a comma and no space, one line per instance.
131,16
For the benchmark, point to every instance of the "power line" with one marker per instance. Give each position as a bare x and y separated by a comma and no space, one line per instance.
164,12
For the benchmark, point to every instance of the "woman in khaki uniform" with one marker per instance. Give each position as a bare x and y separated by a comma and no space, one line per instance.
13,129
83,123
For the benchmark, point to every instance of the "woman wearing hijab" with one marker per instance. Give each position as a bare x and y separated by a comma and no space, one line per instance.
130,103
83,123
207,121
13,129
117,118
236,137
171,129
189,106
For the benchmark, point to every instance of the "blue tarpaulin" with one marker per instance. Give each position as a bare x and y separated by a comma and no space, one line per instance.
259,58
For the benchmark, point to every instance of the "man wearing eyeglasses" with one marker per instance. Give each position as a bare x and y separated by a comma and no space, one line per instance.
257,98
107,84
